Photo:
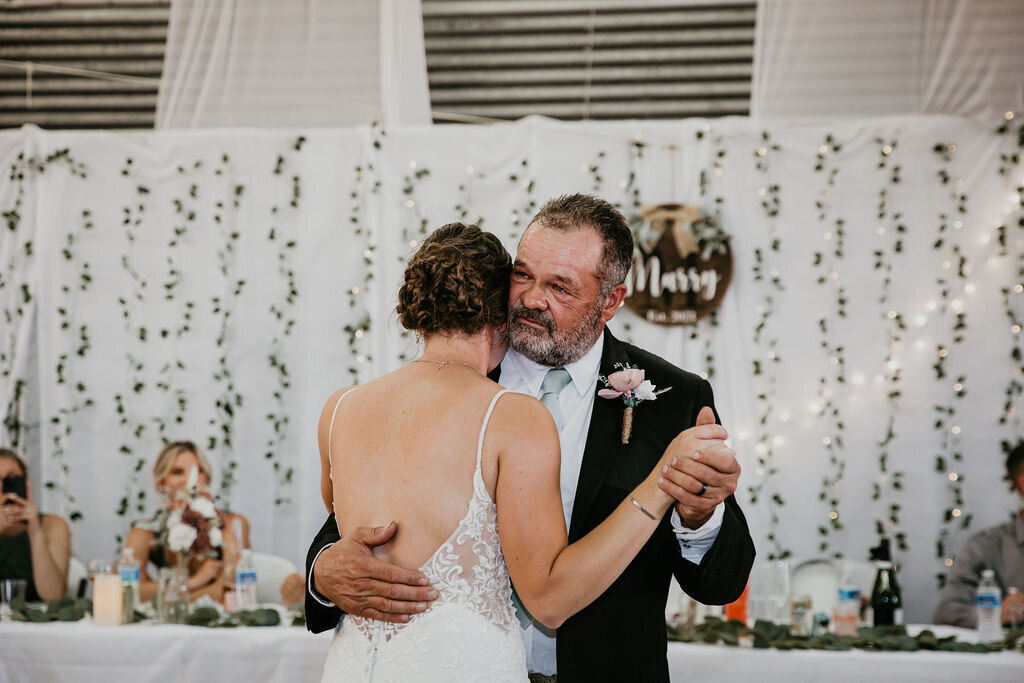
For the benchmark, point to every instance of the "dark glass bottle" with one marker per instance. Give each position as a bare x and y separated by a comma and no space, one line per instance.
886,598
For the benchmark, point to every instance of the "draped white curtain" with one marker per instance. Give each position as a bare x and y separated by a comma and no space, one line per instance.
878,57
305,63
169,230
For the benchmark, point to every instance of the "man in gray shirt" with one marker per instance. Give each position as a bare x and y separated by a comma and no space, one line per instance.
1001,549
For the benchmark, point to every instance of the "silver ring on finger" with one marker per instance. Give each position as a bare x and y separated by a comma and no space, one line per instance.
703,489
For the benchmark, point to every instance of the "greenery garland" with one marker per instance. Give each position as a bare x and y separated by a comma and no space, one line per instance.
949,460
1010,292
889,481
228,398
282,311
827,262
765,369
357,335
136,487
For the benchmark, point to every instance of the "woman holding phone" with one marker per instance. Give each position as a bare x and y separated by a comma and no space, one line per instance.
33,546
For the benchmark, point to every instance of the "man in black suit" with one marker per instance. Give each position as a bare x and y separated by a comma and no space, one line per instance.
566,284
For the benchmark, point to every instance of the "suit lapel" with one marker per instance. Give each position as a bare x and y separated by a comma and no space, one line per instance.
603,439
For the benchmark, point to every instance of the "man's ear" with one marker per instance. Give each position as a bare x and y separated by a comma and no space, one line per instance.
612,303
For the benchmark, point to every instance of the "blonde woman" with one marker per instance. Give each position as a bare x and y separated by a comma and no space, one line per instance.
170,476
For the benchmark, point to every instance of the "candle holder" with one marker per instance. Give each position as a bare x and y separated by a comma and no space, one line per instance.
106,600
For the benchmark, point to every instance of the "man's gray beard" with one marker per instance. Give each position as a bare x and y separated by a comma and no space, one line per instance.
553,348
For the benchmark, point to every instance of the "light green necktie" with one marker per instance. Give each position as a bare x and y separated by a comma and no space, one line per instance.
550,388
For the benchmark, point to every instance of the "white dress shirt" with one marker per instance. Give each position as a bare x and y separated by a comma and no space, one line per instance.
576,401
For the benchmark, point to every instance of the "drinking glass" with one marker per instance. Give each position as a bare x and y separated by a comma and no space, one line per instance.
172,595
10,591
778,592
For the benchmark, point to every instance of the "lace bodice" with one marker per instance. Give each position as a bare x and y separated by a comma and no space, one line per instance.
468,569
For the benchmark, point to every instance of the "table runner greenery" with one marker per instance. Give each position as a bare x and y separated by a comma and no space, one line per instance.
765,634
69,609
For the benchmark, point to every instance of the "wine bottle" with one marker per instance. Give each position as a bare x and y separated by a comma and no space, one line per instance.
886,597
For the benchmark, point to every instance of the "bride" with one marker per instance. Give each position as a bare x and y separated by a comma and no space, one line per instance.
470,474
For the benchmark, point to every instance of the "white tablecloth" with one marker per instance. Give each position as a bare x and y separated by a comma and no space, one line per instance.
84,653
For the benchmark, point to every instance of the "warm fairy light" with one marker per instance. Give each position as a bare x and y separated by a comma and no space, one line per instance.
947,265
826,441
893,365
762,151
1009,116
880,230
718,171
969,288
761,448
774,272
638,136
956,512
622,183
892,315
823,149
1018,288
771,355
955,429
707,126
355,290
514,218
759,471
827,235
952,148
834,484
956,305
412,164
759,309
368,253
833,515
1015,328
948,562
957,225
887,150
943,353
584,167
834,360
834,275
360,358
359,334
761,192
959,182
931,305
413,243
410,203
958,387
953,476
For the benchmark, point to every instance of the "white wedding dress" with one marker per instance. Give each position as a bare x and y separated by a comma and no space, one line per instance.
470,633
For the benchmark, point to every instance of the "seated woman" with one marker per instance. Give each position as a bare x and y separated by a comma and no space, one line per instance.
170,475
33,546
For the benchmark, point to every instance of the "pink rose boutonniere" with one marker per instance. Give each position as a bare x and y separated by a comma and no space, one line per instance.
630,384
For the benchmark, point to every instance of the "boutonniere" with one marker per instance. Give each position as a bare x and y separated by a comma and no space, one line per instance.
629,383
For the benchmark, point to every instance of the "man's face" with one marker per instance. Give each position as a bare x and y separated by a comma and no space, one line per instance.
556,312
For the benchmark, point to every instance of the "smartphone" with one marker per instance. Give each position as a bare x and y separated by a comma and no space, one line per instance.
15,483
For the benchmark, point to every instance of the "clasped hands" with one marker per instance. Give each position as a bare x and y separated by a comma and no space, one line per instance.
701,470
347,574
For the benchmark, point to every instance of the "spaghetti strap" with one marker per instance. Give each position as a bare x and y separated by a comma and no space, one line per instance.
330,431
483,427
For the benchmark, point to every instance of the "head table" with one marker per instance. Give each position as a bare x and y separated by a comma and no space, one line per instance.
145,653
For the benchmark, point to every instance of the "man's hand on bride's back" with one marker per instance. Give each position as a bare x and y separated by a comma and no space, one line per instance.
350,576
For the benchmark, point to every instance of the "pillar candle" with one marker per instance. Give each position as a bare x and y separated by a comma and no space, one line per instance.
106,600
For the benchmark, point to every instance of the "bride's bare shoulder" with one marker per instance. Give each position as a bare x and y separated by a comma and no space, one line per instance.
522,416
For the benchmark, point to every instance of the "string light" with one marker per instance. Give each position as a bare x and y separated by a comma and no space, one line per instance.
955,429
956,512
958,387
880,230
887,150
956,305
759,471
823,149
412,164
1009,116
410,203
957,225
834,275
761,448
948,562
833,514
931,305
827,236
953,476
355,290
1015,328
920,320
969,288
771,355
943,353
762,151
359,334
826,441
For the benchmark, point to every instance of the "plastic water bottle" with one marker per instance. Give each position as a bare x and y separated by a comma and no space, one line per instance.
245,582
847,614
128,568
989,600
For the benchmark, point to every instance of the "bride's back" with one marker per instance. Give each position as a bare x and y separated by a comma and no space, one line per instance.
403,448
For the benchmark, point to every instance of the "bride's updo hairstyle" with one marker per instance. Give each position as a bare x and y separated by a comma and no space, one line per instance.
456,282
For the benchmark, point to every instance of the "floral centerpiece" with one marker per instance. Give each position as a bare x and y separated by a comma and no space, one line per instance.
192,524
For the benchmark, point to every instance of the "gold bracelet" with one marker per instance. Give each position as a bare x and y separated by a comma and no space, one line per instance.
641,508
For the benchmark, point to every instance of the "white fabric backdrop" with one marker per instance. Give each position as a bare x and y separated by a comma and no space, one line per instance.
876,57
162,206
235,63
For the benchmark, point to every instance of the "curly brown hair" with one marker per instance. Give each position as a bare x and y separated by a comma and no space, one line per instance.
457,281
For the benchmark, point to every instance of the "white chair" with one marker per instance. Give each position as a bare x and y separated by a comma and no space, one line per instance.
271,571
819,580
76,574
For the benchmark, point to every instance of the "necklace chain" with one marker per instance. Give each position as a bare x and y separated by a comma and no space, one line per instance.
441,363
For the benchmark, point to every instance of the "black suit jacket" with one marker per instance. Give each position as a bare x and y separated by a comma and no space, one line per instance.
621,635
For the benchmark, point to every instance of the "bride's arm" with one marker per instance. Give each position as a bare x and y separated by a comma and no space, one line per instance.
555,580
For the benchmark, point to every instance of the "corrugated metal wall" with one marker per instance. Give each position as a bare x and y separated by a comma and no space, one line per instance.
589,59
125,38
569,59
